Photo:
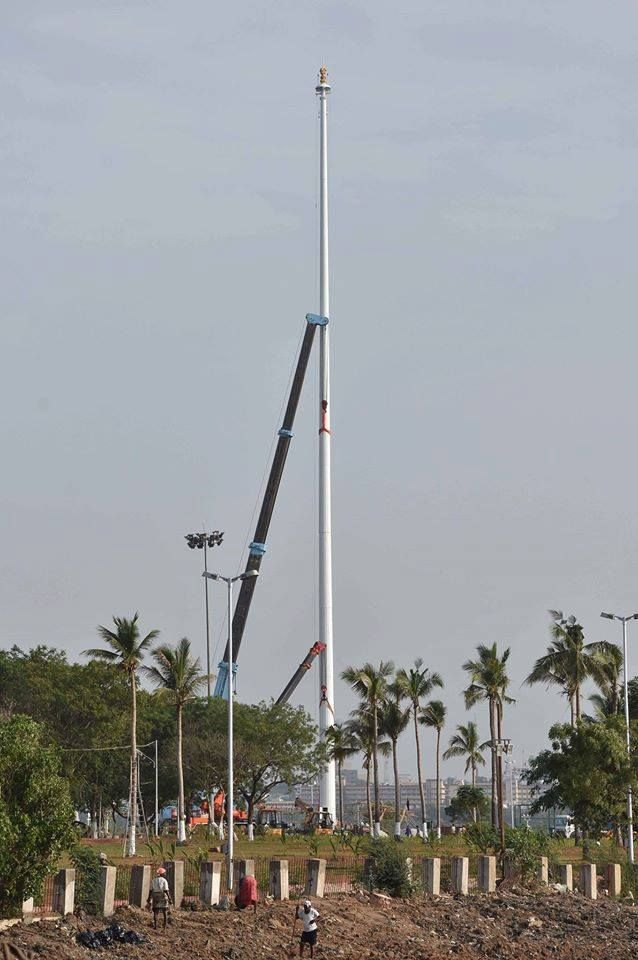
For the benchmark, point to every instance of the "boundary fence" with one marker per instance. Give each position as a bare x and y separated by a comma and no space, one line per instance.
343,874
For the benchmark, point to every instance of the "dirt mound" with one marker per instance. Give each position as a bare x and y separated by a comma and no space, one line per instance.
508,925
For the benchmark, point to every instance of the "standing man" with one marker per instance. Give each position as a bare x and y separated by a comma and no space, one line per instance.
309,917
159,896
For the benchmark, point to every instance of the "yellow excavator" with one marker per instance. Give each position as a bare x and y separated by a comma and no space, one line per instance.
315,821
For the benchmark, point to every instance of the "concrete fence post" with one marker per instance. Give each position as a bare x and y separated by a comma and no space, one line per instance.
241,869
613,879
64,891
106,891
460,875
210,881
278,879
588,881
27,907
175,876
566,876
542,870
315,877
486,874
139,885
431,875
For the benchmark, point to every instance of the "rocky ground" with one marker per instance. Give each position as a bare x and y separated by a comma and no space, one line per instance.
509,924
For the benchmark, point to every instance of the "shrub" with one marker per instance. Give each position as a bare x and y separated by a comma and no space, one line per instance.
390,869
36,815
87,878
481,837
524,847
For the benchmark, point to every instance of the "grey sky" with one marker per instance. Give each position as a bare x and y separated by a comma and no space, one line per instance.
159,249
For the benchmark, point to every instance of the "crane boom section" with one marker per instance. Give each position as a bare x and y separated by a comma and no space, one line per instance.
300,672
258,546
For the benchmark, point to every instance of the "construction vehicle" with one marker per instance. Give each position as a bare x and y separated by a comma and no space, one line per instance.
276,817
257,547
315,821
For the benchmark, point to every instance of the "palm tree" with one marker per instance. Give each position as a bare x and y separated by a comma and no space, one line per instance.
362,727
570,661
126,651
488,682
342,743
371,685
433,715
393,721
607,701
178,676
466,743
416,684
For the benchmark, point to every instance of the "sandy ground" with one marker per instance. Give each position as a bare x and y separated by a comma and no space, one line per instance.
509,924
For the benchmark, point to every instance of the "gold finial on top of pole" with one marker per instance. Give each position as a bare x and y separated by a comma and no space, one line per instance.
323,75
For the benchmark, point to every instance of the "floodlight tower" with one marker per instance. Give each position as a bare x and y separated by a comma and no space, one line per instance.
327,791
201,541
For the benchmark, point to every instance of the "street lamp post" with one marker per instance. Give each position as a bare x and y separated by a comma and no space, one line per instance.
630,802
510,764
503,747
201,541
230,803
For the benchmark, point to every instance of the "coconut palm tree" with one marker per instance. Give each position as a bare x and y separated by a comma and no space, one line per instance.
466,743
362,727
416,684
488,682
569,661
342,743
393,720
126,650
607,701
371,683
433,715
177,676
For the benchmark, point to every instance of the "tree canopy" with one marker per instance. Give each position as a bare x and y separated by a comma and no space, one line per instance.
586,771
36,813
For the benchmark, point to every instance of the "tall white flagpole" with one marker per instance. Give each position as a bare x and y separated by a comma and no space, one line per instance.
327,791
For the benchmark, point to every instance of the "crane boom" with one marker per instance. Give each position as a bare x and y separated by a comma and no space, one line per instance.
300,672
257,548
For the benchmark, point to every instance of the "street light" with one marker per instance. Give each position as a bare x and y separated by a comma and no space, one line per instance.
229,581
502,747
630,802
201,541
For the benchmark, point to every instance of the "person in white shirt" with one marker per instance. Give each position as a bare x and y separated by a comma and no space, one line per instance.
309,917
159,895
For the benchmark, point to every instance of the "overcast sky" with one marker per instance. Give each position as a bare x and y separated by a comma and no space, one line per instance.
159,243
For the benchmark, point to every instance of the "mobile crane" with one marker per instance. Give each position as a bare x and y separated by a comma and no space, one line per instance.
257,548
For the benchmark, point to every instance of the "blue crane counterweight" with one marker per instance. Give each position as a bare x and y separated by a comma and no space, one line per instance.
257,548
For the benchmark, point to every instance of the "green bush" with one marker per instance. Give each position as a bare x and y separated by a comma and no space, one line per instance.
481,837
390,870
525,846
36,815
87,878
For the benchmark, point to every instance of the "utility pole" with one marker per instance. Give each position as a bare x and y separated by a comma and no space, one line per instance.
327,785
503,748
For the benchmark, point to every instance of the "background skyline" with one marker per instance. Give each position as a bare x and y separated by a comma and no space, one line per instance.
159,192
